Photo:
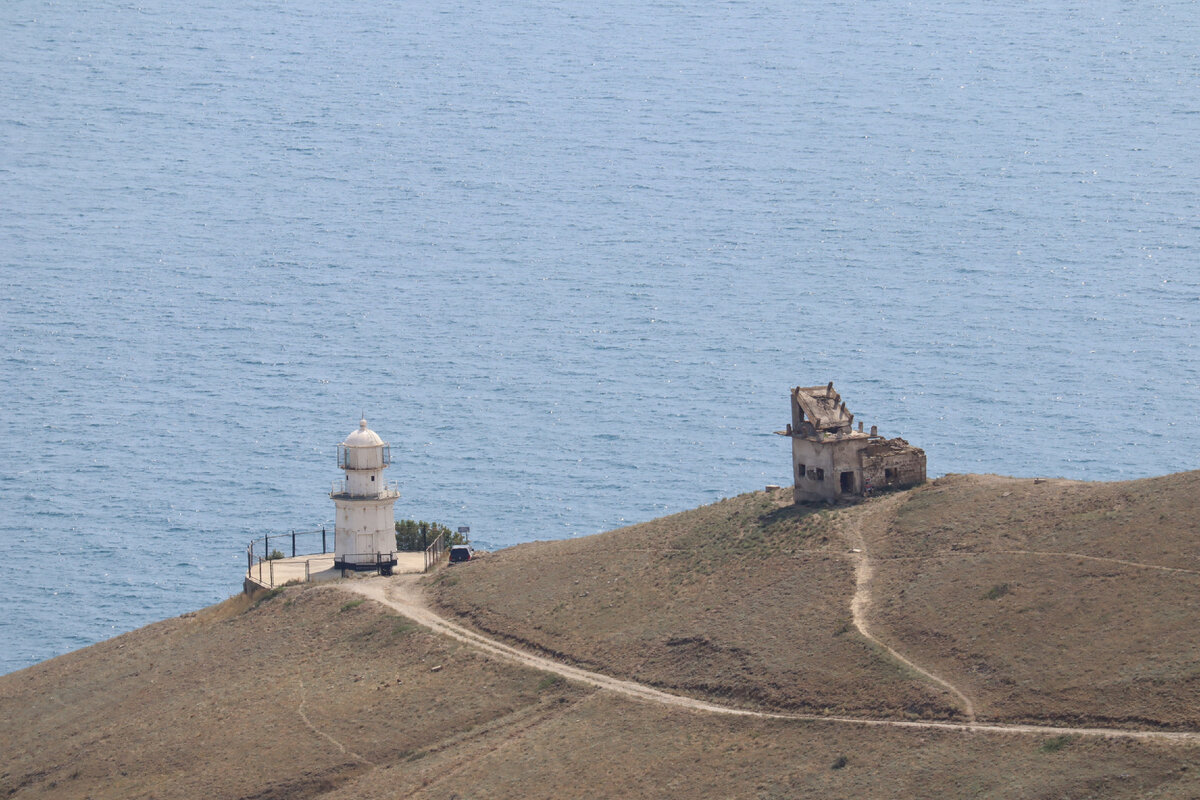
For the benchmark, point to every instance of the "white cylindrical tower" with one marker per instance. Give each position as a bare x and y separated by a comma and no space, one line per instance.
365,530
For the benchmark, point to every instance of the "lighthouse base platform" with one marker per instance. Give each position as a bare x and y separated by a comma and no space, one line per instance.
269,574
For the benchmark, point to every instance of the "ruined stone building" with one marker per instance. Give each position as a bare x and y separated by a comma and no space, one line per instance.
831,460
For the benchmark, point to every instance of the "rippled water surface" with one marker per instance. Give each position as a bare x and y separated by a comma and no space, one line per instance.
567,258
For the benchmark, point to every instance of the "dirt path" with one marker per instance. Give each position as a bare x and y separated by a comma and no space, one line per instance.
402,594
1043,554
860,603
308,723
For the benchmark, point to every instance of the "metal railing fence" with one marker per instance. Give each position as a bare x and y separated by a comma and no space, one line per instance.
290,545
435,551
262,553
378,562
385,489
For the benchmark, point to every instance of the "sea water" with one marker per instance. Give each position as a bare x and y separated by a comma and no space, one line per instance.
568,258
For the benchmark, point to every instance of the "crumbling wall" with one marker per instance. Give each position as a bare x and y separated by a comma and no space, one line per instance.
818,466
831,460
893,464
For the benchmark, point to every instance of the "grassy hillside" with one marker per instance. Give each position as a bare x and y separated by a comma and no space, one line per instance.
1016,586
313,694
746,600
289,699
1011,588
316,693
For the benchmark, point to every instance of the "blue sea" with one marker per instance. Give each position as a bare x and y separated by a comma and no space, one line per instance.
567,258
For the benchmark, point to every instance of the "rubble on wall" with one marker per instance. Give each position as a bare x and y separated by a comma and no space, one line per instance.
891,446
893,463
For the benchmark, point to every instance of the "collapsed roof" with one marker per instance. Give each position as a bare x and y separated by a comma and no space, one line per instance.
823,407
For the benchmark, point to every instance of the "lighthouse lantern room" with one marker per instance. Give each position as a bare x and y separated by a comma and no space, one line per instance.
365,531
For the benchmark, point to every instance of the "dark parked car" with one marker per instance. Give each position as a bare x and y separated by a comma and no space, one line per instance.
461,552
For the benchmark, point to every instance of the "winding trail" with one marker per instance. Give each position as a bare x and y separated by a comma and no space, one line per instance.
860,603
308,722
403,595
1044,554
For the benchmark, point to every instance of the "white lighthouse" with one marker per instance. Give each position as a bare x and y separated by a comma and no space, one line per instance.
365,531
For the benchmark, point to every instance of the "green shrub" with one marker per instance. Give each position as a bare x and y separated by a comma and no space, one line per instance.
413,536
549,682
997,591
275,554
1055,743
353,604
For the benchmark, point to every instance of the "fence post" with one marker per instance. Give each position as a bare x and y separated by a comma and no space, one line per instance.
307,575
293,544
324,550
272,573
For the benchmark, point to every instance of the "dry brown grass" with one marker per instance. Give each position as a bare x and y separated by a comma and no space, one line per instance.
212,705
310,694
743,601
972,580
1011,589
196,708
604,746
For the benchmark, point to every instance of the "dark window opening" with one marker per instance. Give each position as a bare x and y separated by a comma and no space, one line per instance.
372,479
889,475
800,470
847,483
820,474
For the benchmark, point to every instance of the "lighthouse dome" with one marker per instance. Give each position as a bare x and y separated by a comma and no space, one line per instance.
363,437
